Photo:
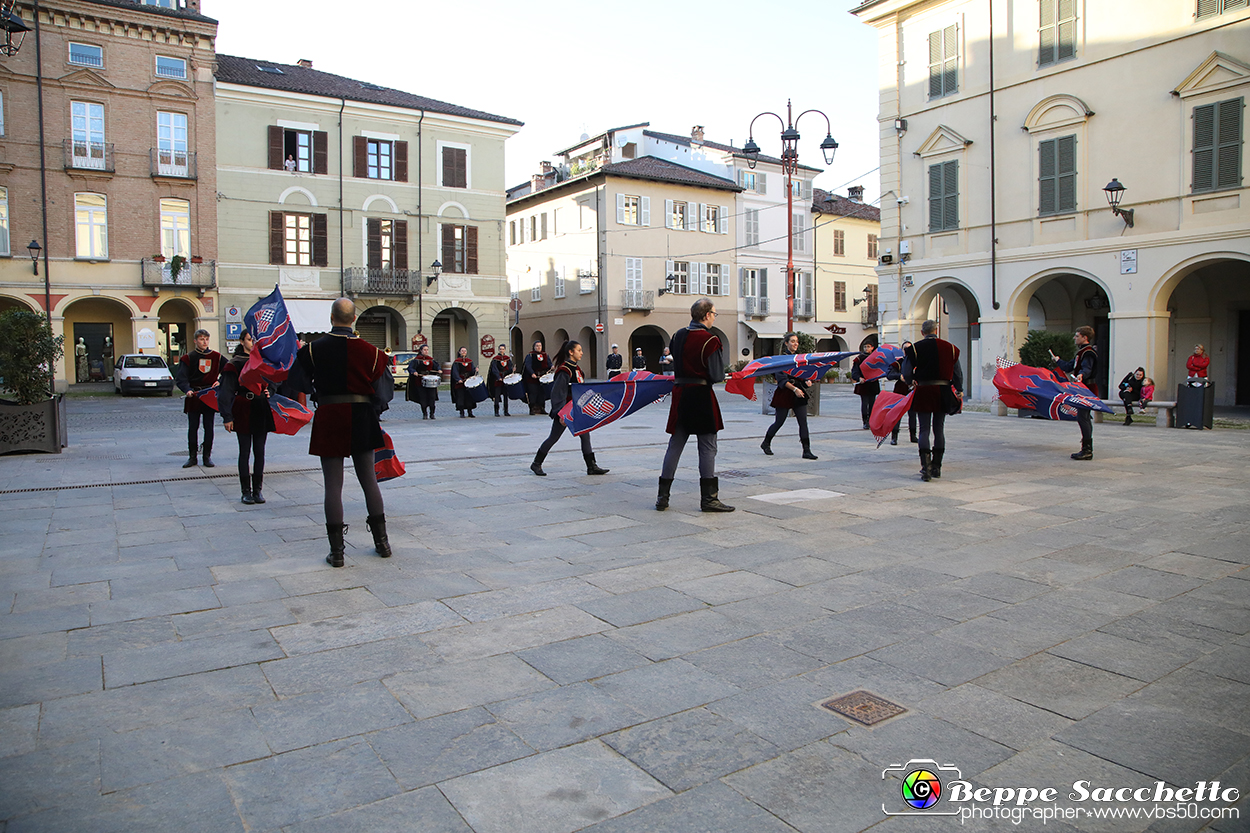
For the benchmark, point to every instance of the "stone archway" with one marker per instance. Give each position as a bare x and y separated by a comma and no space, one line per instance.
558,338
652,340
1064,299
177,327
590,351
383,327
453,328
1206,301
954,306
108,327
7,303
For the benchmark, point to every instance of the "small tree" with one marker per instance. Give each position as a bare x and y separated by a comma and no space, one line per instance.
1037,347
807,344
28,352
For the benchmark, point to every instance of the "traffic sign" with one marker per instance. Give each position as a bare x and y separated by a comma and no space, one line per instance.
515,305
599,327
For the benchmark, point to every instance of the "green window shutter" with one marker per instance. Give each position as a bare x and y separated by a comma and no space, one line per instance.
1066,165
950,43
935,65
1046,177
1228,143
1046,32
1204,147
1067,29
950,195
1207,8
935,197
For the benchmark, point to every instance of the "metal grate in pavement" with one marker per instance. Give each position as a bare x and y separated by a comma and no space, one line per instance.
513,434
734,473
233,474
863,707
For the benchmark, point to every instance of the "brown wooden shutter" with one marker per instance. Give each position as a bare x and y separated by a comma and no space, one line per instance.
320,240
360,156
276,136
449,247
462,168
455,168
470,249
401,162
321,152
449,168
373,241
399,244
277,251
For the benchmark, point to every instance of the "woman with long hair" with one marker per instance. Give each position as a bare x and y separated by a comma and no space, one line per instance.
791,395
567,373
245,412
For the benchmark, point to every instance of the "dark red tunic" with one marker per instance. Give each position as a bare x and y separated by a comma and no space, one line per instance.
694,409
247,407
344,365
197,371
933,360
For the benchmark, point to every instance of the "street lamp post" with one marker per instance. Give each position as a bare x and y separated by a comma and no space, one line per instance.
789,166
436,269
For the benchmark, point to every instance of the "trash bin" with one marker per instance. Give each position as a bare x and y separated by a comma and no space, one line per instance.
1195,403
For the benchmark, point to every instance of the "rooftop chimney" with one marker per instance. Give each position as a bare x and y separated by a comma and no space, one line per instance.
855,193
546,168
305,63
697,133
193,5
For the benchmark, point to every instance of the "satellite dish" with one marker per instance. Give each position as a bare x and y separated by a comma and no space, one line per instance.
622,141
584,137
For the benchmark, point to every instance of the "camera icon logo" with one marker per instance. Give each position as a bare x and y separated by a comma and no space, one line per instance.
921,787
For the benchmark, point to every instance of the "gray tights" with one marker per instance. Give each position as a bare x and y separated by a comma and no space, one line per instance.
677,444
332,473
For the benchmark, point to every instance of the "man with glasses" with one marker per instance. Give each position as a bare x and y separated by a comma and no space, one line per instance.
700,363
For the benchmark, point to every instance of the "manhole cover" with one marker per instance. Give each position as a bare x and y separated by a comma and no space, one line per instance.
733,473
511,434
863,707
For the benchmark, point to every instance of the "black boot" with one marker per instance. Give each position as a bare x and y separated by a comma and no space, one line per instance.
432,407
926,465
537,465
807,450
496,408
709,487
767,446
335,533
258,480
377,525
935,467
1086,452
661,499
591,466
208,456
1128,419
191,460
425,414
245,483
894,436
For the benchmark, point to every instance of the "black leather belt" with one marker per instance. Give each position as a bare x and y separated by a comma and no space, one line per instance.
343,399
690,381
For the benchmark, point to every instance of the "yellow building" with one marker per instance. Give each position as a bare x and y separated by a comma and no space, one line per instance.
844,256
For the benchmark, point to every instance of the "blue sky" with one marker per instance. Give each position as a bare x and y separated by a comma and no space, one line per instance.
566,68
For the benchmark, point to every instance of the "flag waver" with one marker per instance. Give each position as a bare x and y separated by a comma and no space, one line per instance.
596,404
274,341
809,366
1043,391
878,362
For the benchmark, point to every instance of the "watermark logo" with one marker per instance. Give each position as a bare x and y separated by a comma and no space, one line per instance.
921,789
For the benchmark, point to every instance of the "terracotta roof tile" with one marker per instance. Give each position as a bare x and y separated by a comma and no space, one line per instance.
827,203
686,140
660,170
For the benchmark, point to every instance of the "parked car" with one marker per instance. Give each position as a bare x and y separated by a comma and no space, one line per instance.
399,368
138,373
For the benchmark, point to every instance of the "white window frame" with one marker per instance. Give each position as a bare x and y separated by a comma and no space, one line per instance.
680,270
716,278
89,145
93,221
633,274
175,227
373,150
468,163
4,221
159,74
1,112
674,210
69,55
297,239
559,293
171,143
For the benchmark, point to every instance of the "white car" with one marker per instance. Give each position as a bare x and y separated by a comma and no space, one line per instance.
138,373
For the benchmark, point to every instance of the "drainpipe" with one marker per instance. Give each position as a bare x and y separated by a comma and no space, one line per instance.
420,235
342,267
601,265
43,176
993,171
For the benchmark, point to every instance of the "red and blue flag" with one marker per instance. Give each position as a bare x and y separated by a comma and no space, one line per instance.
208,396
596,404
386,463
887,410
274,341
1044,392
288,415
878,362
809,366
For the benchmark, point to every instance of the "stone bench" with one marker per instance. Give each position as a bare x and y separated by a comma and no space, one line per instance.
1165,412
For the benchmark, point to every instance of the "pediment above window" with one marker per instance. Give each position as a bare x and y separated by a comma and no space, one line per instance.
1055,112
86,78
1217,73
942,140
175,89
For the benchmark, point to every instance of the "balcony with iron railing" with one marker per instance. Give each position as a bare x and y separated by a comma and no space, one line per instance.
869,315
159,274
88,156
363,280
804,308
178,164
755,307
642,300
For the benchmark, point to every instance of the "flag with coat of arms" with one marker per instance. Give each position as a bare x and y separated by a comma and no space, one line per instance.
593,405
274,342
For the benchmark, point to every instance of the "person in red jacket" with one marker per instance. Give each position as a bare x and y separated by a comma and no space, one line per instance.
198,371
1197,363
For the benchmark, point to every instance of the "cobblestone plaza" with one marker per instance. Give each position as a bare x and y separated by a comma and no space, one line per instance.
554,655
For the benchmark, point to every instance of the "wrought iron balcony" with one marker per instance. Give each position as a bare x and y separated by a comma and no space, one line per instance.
90,156
804,308
361,280
173,163
160,274
642,300
869,315
756,307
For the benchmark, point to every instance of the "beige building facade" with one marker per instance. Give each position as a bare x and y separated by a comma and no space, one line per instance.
1001,123
129,159
845,234
629,245
332,186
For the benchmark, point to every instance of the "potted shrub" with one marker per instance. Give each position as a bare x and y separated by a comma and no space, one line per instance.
196,259
31,418
175,266
158,258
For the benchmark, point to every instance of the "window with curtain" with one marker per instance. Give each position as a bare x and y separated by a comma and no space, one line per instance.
175,228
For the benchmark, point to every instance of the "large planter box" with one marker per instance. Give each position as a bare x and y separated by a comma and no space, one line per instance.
38,427
813,397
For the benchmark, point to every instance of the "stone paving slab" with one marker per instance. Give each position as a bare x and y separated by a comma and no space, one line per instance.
572,660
